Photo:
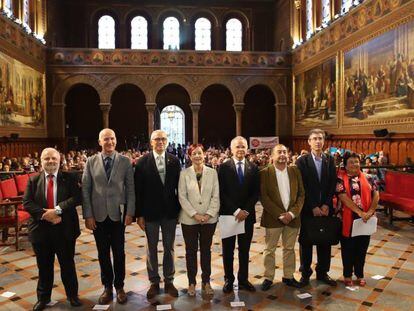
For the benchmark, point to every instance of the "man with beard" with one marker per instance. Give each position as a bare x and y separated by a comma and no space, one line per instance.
51,199
239,192
108,206
282,197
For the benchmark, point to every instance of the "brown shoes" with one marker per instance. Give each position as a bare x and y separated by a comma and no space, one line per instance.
106,296
171,290
153,291
121,297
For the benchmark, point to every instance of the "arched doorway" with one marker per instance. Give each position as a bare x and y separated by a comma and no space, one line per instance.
173,123
217,118
128,117
174,95
83,117
259,115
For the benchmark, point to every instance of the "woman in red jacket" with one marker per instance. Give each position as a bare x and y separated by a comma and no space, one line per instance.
359,198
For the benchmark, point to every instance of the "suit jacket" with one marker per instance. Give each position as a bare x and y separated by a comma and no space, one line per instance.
68,197
155,200
271,199
233,195
103,197
193,201
317,192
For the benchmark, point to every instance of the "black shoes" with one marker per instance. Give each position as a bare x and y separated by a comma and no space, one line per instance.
153,291
304,281
326,279
246,285
292,282
40,305
74,301
266,285
228,287
170,289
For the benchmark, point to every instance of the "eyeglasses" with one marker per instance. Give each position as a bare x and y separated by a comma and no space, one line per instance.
160,139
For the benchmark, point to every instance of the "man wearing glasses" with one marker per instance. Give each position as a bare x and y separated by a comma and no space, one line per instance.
157,206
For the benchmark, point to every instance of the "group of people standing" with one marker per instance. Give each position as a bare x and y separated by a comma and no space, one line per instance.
158,195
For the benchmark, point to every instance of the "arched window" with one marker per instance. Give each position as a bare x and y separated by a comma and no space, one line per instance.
233,35
139,33
106,32
202,34
309,19
171,33
173,123
326,12
26,13
8,7
346,5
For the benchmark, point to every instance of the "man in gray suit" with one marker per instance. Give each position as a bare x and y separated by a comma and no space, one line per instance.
108,205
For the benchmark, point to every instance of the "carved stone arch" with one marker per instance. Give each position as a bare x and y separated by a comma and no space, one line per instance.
65,85
113,84
277,90
236,13
230,84
210,15
182,81
175,13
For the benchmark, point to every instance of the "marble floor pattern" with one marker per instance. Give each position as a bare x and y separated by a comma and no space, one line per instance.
390,254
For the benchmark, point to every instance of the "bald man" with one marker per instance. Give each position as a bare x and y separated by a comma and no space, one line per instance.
51,199
108,206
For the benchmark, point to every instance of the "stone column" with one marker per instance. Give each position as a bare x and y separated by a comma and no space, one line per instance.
56,120
105,108
238,107
283,120
150,110
195,108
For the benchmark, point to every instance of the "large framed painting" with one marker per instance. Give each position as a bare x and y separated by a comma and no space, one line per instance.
22,98
378,79
315,97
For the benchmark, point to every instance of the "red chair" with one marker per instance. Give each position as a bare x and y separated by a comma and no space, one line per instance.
9,190
21,182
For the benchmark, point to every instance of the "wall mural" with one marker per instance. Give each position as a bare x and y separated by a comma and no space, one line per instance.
379,78
315,96
22,90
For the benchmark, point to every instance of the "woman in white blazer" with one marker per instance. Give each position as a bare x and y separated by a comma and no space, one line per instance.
198,192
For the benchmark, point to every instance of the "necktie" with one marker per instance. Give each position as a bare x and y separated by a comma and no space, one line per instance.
50,199
161,168
240,172
108,166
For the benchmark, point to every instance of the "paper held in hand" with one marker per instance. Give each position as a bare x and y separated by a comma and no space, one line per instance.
360,227
229,226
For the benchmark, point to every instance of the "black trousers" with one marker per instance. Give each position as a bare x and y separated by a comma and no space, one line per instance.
111,235
353,252
193,234
244,241
324,259
45,252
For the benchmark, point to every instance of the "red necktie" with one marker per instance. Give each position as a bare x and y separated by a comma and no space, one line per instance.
49,198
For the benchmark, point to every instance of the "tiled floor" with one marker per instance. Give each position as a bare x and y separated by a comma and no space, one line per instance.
390,254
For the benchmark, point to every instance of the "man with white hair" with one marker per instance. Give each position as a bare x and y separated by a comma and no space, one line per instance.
157,206
51,199
108,206
239,192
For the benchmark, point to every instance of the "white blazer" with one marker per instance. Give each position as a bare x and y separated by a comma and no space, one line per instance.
193,201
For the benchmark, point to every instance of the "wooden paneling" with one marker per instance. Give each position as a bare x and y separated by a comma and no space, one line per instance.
397,148
22,147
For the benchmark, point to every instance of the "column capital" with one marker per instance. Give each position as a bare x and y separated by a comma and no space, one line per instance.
280,104
238,107
150,107
195,107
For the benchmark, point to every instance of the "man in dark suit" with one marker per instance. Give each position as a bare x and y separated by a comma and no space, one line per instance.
239,191
319,180
51,199
108,206
157,206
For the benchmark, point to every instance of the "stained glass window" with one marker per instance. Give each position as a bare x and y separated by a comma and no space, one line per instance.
139,33
106,32
173,123
233,35
202,34
171,33
309,19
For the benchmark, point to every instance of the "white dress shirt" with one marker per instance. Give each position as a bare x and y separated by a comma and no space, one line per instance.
282,179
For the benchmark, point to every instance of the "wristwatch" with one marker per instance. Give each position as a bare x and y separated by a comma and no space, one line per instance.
58,210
